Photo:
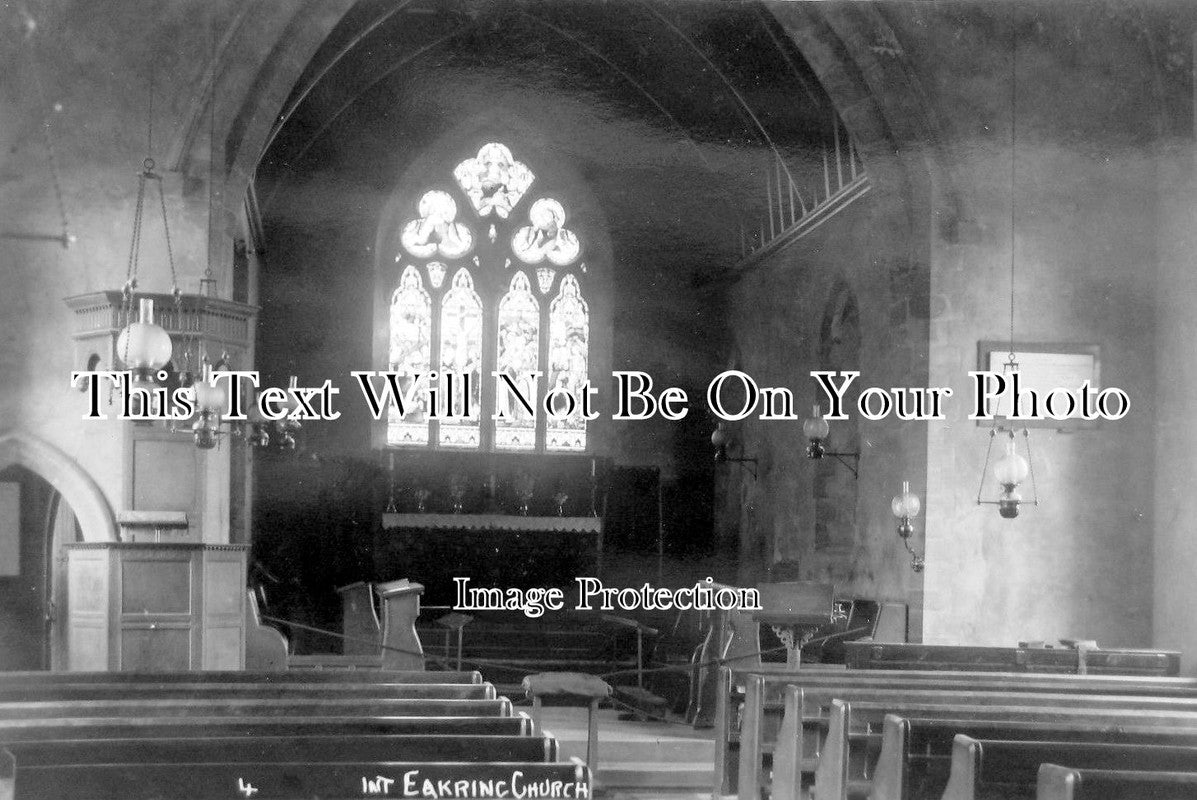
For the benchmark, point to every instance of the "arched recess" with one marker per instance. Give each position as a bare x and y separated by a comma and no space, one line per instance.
95,516
835,488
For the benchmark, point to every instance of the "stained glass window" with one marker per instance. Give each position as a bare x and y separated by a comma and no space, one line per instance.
518,362
502,266
461,364
569,357
410,356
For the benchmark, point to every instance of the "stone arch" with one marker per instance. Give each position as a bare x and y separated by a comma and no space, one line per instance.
91,508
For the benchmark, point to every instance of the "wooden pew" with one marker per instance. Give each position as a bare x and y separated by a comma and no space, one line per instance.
254,691
176,738
916,750
280,707
910,656
809,708
226,727
760,708
274,747
1067,783
234,676
292,780
982,768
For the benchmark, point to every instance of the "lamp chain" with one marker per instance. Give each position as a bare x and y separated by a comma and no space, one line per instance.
170,256
134,249
211,138
985,469
1013,162
1026,435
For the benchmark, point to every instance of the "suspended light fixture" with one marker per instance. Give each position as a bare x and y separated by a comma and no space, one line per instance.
905,508
143,346
1011,469
210,399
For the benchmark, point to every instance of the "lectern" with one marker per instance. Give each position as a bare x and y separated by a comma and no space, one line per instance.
796,610
400,601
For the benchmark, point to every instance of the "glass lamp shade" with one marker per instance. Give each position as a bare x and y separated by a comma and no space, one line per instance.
1012,468
142,345
815,426
906,505
719,437
209,397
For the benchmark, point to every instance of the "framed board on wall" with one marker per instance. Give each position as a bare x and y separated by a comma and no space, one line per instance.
10,529
1042,367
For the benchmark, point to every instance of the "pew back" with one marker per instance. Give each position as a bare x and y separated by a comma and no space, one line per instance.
989,767
739,758
1068,783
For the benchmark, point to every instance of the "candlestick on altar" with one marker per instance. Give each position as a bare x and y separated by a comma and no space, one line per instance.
593,488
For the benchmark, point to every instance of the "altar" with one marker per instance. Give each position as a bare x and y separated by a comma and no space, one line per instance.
498,550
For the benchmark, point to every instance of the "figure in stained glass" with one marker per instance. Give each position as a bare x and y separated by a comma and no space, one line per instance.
547,236
493,180
436,232
569,346
461,354
518,359
409,355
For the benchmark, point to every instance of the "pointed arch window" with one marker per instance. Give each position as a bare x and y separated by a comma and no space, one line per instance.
490,296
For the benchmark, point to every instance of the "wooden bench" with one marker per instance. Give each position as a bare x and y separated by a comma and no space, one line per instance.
759,709
983,768
255,691
916,750
199,727
275,747
232,707
1067,783
910,656
289,780
232,676
809,709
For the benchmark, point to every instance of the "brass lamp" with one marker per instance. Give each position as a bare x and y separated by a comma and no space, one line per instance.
905,508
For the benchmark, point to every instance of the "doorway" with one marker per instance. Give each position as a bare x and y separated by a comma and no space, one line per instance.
35,521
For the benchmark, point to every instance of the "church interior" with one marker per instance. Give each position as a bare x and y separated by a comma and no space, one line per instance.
601,251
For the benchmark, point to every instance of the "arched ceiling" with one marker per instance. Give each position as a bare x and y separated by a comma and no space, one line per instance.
673,112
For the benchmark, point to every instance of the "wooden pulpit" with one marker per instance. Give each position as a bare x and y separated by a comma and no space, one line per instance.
796,610
400,602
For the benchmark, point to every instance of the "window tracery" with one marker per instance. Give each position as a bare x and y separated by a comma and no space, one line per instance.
489,329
